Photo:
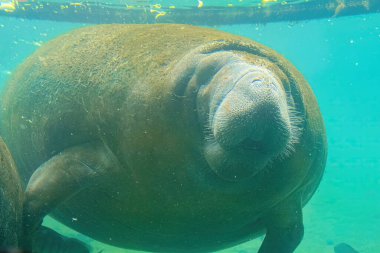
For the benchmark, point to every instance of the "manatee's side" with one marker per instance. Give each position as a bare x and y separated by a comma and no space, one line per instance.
10,200
165,138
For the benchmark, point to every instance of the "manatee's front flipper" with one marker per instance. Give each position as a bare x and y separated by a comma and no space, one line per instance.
46,240
284,227
61,177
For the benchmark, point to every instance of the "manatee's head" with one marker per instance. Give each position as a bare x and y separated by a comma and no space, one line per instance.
248,117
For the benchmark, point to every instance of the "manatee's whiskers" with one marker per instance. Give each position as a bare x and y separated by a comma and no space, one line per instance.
296,121
207,131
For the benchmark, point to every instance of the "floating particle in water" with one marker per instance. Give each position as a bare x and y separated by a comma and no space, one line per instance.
352,41
6,72
160,14
37,43
157,6
200,4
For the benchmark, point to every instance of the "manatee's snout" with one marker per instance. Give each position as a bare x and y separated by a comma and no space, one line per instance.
253,115
249,118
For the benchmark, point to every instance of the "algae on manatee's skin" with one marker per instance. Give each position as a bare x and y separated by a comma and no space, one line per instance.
10,200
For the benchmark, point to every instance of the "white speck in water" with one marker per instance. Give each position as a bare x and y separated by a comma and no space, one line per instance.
6,72
352,41
37,43
74,219
356,64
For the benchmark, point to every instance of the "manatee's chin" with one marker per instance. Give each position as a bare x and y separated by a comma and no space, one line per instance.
237,164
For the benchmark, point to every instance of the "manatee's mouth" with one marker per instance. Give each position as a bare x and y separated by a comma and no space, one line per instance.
248,157
250,144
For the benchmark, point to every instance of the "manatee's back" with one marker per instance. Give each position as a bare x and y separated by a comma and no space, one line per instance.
53,98
75,88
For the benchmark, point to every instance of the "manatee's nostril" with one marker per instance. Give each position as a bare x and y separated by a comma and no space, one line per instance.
256,82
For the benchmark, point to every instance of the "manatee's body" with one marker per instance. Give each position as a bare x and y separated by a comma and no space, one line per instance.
127,127
10,200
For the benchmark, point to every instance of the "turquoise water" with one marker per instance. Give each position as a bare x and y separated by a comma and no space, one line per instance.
341,60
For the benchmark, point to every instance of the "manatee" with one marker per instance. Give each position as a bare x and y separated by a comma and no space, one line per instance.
165,138
10,200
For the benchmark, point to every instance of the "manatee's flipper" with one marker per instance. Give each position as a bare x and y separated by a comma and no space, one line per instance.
284,227
344,248
61,177
46,240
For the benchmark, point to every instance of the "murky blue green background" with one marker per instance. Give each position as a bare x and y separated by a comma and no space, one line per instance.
341,60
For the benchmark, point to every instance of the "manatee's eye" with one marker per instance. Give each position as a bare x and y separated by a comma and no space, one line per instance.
210,65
